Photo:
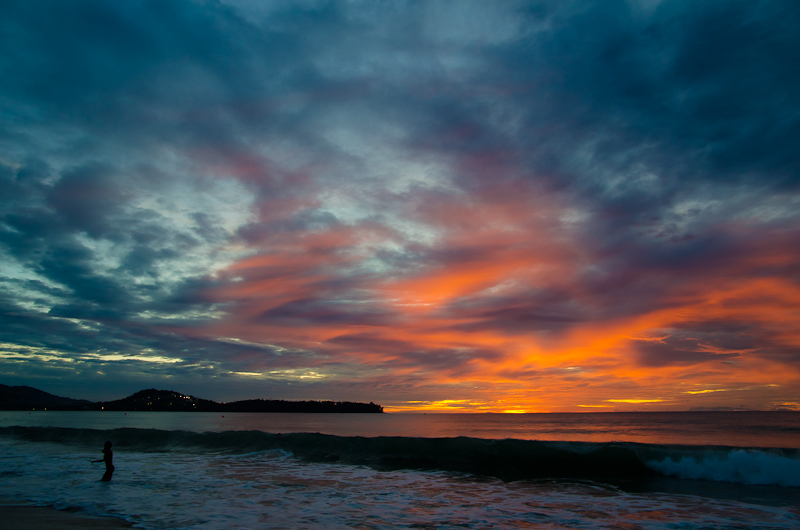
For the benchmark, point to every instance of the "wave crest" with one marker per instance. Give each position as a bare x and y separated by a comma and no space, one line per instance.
508,459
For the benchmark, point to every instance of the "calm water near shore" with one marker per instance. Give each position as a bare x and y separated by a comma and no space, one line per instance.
607,470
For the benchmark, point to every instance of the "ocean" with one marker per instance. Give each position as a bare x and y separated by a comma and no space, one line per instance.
626,471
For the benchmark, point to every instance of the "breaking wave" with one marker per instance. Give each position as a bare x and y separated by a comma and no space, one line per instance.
773,467
508,459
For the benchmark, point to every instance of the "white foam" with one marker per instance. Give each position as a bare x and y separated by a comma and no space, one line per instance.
272,490
738,466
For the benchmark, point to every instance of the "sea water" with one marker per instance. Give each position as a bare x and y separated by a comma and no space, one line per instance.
205,470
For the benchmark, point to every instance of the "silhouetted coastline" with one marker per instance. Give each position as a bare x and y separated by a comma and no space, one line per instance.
29,398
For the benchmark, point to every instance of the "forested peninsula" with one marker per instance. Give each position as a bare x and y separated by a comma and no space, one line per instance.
29,398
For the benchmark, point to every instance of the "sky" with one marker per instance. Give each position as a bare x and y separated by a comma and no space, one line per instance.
464,206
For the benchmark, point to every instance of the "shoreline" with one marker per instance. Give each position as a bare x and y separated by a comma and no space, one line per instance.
31,517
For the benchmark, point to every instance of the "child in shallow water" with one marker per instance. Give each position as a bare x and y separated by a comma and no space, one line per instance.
108,458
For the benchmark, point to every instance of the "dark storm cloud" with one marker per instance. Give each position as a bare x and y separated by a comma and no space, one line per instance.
518,319
68,267
115,67
405,354
545,310
77,309
314,311
709,88
85,198
634,109
698,341
678,351
45,236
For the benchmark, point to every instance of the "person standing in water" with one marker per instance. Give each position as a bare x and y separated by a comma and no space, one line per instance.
108,458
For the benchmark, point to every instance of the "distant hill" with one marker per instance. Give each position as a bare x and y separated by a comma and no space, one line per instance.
27,398
159,400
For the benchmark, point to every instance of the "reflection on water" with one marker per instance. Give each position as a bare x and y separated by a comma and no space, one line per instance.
744,429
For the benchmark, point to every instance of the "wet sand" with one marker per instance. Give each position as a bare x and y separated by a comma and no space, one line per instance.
43,518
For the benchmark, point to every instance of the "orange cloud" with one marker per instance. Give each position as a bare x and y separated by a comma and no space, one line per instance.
506,298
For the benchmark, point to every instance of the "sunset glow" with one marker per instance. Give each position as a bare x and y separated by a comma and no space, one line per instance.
575,209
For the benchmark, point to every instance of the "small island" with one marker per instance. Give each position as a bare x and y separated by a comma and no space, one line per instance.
28,398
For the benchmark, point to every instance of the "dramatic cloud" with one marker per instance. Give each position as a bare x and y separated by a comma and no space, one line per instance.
431,205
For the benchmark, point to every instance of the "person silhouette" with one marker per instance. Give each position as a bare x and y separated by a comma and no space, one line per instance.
108,458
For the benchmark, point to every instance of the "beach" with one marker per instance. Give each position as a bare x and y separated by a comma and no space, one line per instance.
46,518
195,470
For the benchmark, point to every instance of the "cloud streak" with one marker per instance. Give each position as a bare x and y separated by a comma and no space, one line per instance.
508,206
